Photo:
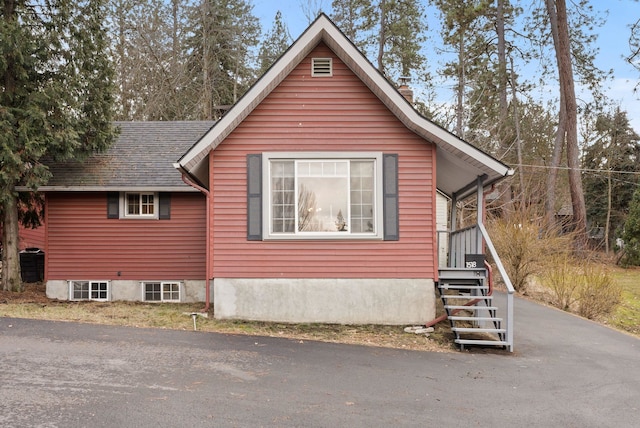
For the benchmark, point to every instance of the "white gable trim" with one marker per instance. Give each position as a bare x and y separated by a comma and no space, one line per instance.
322,29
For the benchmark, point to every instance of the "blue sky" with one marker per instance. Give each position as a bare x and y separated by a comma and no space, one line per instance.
612,40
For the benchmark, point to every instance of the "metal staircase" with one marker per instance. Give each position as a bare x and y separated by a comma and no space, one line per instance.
468,302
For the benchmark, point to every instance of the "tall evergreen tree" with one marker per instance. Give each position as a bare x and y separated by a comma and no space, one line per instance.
276,41
55,102
464,31
356,19
611,165
631,233
223,34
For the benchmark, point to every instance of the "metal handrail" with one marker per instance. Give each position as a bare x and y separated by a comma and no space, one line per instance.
466,240
507,282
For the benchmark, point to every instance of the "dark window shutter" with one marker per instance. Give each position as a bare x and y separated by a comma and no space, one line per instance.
113,205
390,197
254,197
164,206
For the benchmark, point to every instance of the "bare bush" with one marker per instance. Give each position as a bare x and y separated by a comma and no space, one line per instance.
580,286
525,244
598,295
561,276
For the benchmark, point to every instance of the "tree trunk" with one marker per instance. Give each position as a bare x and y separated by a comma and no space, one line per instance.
516,121
10,258
573,151
607,224
552,177
568,122
382,36
460,88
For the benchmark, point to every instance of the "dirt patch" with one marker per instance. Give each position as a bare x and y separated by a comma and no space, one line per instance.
33,293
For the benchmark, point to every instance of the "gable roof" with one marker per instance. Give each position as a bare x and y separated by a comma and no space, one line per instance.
141,159
459,164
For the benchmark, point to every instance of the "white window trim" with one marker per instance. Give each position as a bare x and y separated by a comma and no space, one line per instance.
123,206
90,281
267,157
162,299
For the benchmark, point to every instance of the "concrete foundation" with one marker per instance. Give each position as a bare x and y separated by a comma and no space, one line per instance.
340,301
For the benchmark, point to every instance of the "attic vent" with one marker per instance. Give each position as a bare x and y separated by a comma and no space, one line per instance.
321,67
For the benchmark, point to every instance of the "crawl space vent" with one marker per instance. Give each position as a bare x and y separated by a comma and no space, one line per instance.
321,67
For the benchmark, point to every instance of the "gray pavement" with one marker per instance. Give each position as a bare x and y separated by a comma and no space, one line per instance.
566,372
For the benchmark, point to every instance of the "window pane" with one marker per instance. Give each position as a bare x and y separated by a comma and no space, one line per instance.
282,196
152,291
146,204
362,200
323,197
171,291
81,290
133,204
98,290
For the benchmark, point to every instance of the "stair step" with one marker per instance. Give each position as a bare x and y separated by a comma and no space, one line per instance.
457,318
463,287
478,330
460,296
471,308
461,273
481,342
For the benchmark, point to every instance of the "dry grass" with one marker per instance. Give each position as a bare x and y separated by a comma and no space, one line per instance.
33,304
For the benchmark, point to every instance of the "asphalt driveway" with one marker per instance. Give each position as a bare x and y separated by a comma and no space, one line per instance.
566,372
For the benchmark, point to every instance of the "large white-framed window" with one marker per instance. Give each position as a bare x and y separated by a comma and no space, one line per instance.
89,290
160,291
335,195
140,205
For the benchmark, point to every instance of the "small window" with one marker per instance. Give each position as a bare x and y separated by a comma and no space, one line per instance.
89,290
140,205
321,67
161,291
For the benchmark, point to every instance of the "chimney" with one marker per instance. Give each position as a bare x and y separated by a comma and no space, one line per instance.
405,90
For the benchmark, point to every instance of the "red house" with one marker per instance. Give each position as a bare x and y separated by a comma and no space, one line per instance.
313,199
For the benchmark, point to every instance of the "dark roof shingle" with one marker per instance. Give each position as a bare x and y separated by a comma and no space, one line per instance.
141,157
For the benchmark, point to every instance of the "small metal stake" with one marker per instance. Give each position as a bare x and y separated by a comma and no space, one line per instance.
194,315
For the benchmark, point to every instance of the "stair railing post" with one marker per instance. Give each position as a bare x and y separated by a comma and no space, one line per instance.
453,220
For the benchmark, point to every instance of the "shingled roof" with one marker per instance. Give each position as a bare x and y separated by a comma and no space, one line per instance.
141,158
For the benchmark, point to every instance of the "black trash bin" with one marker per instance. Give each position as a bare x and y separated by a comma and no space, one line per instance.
32,264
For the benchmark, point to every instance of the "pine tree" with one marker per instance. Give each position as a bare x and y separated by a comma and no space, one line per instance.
223,34
356,19
276,41
631,234
610,163
56,99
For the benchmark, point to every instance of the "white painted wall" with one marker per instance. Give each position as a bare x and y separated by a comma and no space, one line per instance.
442,221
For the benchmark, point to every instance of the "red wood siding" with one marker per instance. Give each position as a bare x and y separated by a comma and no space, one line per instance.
30,238
83,244
323,114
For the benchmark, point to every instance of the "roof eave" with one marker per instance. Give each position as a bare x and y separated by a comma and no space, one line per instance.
168,189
